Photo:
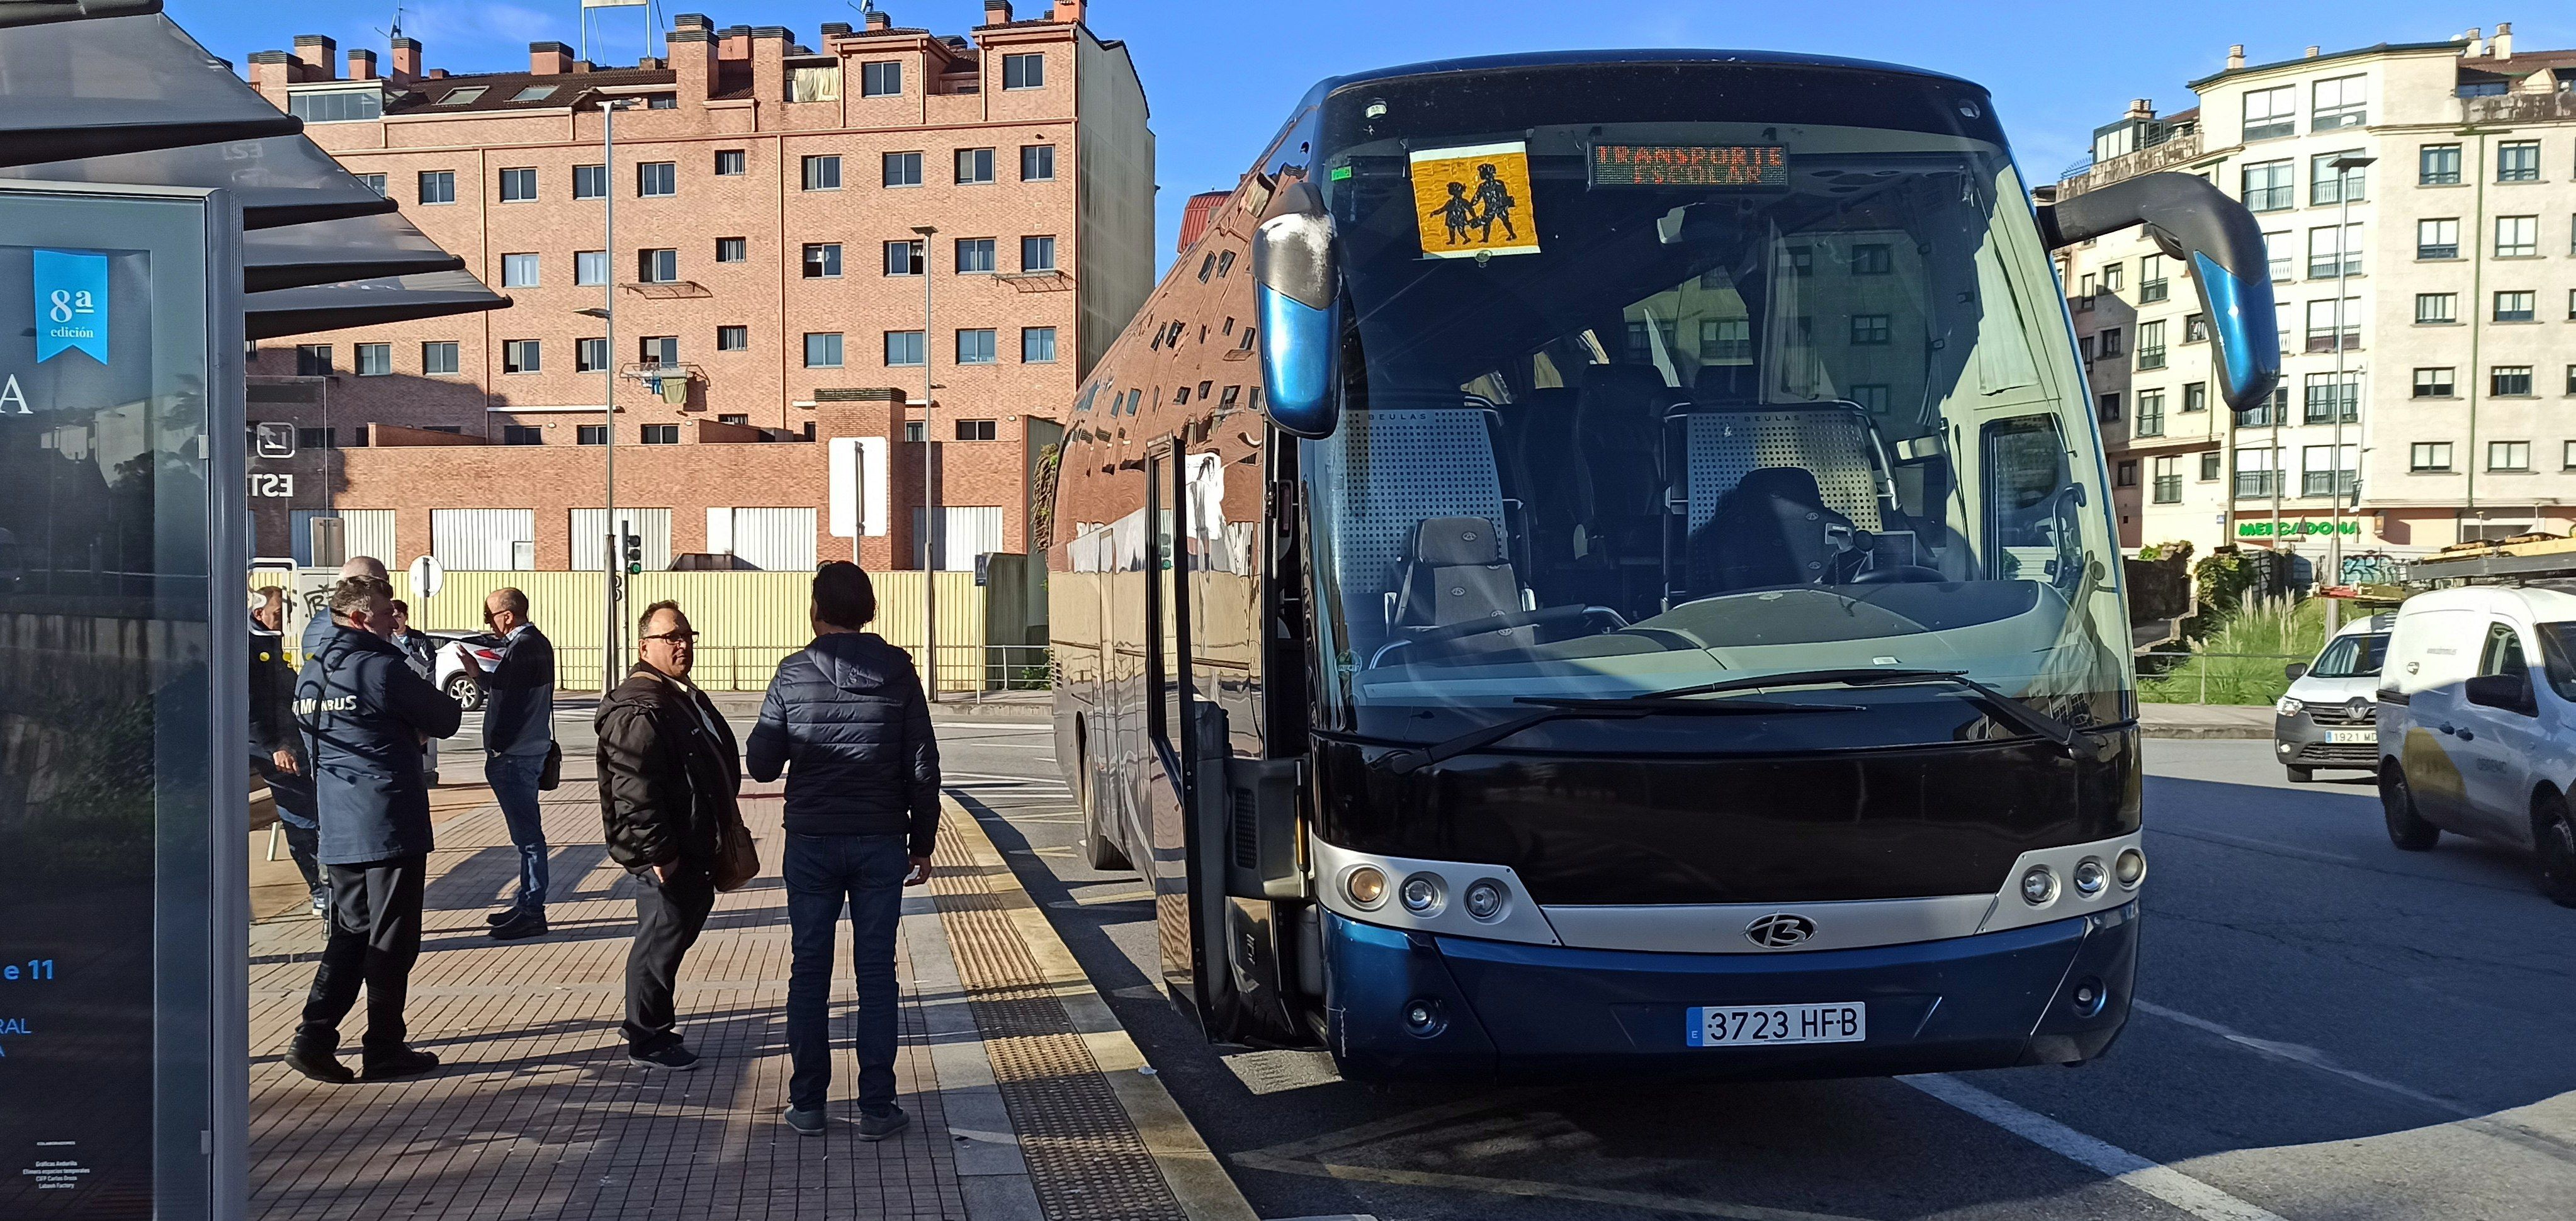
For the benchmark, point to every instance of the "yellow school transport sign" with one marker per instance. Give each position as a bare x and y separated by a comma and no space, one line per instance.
1474,201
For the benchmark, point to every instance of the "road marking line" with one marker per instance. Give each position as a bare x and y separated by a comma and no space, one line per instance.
2261,845
2153,1178
2309,1056
1540,1190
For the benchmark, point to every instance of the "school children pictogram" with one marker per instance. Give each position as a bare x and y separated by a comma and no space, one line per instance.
1474,201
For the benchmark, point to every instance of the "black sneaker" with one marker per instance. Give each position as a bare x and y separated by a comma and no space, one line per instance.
806,1123
320,1065
520,927
503,916
879,1127
407,1062
675,1057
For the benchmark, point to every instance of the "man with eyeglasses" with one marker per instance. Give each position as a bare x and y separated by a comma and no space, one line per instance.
668,773
518,736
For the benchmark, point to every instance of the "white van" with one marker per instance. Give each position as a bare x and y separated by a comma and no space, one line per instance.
2330,715
2477,723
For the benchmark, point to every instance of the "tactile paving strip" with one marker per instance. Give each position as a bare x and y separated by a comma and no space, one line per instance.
1084,1155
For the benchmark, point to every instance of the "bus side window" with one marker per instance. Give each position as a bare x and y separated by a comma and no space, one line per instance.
2025,478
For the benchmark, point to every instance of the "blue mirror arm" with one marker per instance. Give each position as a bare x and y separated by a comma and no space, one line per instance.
2191,219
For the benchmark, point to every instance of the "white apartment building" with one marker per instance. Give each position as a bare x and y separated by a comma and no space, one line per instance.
2453,253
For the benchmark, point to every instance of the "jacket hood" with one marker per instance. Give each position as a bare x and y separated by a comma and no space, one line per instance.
857,662
345,637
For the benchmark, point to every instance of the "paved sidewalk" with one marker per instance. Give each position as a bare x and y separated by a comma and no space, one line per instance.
535,1113
2206,720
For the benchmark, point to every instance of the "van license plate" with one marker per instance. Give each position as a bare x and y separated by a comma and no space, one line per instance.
1766,1025
2339,736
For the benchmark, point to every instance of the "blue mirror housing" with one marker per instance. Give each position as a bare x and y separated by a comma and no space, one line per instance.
2192,220
1297,273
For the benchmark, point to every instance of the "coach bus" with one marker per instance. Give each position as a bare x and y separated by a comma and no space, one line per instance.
1603,561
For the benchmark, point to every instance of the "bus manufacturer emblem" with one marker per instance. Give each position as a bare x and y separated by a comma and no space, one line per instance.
1780,930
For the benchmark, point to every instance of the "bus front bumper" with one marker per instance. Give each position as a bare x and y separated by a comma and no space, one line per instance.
1407,1005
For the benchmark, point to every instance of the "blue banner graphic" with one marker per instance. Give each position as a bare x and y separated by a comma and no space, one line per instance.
71,303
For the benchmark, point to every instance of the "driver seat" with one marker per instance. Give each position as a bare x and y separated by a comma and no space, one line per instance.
1454,571
1771,528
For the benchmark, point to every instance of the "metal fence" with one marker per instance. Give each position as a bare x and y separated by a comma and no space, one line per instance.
2173,676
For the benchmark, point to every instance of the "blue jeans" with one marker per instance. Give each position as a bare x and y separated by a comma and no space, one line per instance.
514,785
822,873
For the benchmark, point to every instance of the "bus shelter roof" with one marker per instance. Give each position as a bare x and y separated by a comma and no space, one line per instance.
330,307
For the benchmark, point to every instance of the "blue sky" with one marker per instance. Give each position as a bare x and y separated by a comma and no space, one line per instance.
1221,74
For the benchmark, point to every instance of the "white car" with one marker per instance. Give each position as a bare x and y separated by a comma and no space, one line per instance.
460,658
2477,721
2329,718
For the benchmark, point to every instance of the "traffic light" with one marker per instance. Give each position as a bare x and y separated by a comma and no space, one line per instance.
634,554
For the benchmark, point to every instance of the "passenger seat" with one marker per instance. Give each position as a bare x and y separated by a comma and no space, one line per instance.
1773,528
1454,571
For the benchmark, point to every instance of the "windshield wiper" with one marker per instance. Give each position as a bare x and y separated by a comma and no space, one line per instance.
1553,708
1996,703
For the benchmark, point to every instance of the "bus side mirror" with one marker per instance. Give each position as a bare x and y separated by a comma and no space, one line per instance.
1296,270
2218,241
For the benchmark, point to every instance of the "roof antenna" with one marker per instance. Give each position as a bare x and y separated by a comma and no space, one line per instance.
395,32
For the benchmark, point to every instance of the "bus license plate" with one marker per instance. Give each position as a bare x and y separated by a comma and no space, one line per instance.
1751,1025
2364,736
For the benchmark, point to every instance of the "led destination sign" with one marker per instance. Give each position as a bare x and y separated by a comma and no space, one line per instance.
1690,165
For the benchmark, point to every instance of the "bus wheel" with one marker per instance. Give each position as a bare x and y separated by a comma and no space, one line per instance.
2554,835
1098,849
2406,828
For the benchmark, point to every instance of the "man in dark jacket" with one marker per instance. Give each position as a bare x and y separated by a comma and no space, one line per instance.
277,745
364,713
518,734
668,772
846,718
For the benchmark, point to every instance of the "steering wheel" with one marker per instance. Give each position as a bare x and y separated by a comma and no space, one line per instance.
1900,574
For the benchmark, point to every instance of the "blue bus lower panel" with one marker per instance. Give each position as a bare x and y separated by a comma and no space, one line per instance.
1414,1005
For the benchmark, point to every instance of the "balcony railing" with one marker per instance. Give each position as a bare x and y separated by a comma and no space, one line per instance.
2151,358
2252,485
2324,483
2324,341
2152,291
2168,489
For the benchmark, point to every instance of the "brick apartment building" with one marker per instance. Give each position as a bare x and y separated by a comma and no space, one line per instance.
765,266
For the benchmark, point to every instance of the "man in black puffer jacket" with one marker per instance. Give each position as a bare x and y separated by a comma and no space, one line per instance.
846,718
668,773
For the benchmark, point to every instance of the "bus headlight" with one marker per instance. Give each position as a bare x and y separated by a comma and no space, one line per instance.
2039,886
1484,900
2130,867
1421,894
2091,877
1366,886
2289,707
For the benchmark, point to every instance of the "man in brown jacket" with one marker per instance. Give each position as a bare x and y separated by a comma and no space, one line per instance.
668,773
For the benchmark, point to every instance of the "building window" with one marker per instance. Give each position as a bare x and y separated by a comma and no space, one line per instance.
2254,473
2516,307
337,106
2571,380
903,258
2114,277
661,101
2517,237
1872,259
913,432
658,350
2277,248
518,271
589,355
590,182
2518,161
2321,475
1869,330
2268,113
2327,185
730,163
1037,163
2428,456
821,83
974,166
2107,407
1725,341
2151,345
2508,455
823,350
2437,165
465,96
2152,284
2268,186
2333,251
2195,397
822,260
903,348
2084,348
2127,473
823,173
2322,317
1037,254
589,267
519,185
976,347
974,255
438,186
881,78
2509,381
2439,383
522,434
903,169
590,434
313,360
2195,328
2437,239
654,179
2322,398
438,356
2110,342
733,250
975,430
2436,308
661,434
2336,102
317,438
375,182
657,266
375,359
1023,71
521,356
2168,480
1037,345
2268,412
733,339
2212,464
2151,414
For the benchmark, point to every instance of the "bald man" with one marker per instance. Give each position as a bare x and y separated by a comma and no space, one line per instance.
317,628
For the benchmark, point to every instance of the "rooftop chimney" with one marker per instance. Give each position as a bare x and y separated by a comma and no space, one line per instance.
2142,108
693,21
407,59
2504,40
1067,11
733,42
879,19
997,12
549,59
317,51
693,62
2477,43
362,64
2236,57
835,29
2314,51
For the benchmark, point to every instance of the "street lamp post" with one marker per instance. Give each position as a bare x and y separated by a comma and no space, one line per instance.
2343,167
608,553
929,490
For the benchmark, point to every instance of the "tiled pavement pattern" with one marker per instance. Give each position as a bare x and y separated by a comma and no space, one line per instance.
536,1113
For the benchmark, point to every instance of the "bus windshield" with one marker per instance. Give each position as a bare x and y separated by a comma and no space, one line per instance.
1644,405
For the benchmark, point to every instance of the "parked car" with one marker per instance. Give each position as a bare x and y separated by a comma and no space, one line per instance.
2330,716
2477,719
460,657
